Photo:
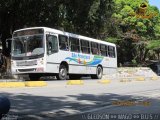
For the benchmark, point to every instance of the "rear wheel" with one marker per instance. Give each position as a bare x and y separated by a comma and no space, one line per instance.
99,73
62,75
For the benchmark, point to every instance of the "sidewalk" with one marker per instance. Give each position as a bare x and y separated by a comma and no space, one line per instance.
133,73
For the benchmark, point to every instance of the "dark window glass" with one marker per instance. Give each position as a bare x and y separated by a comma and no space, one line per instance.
111,51
52,44
74,44
63,42
103,50
85,46
94,48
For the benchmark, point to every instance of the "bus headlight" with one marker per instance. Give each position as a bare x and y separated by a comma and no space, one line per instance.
41,62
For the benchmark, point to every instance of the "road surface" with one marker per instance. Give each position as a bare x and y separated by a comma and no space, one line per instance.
59,101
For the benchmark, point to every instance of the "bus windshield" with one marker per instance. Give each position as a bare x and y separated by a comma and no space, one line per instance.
29,45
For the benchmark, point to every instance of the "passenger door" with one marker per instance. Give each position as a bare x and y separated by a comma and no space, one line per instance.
52,53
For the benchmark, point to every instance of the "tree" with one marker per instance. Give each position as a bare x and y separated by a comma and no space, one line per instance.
81,17
135,25
154,47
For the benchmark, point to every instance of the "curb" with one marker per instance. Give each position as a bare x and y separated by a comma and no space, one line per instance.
75,82
11,84
104,81
140,79
35,84
154,78
125,80
22,84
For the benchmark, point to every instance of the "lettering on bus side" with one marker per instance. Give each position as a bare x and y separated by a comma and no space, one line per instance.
77,55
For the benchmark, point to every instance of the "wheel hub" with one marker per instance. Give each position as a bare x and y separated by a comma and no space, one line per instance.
99,72
63,72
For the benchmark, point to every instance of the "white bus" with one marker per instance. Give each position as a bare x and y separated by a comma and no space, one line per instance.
42,51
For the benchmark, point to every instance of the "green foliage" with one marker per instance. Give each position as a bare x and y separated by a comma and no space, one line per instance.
115,21
136,30
126,14
112,39
153,45
141,27
134,62
78,16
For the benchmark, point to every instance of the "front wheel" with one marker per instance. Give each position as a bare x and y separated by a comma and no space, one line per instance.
99,73
62,75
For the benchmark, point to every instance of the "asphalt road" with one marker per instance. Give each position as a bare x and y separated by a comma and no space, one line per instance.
59,101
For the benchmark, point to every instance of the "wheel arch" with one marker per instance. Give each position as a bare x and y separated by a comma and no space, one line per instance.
100,66
65,64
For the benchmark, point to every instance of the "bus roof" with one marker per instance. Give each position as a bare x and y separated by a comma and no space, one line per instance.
46,29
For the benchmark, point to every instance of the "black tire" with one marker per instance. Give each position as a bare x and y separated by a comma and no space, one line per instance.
34,76
72,76
62,75
99,73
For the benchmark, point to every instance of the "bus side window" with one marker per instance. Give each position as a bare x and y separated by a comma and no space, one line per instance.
111,51
74,44
103,49
63,42
94,48
85,46
52,44
106,48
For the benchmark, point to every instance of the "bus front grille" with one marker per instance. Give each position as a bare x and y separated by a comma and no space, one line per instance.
26,63
26,70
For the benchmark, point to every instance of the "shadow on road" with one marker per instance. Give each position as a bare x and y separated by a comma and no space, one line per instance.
36,107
